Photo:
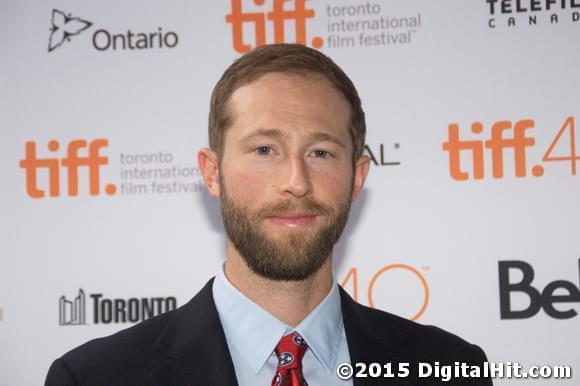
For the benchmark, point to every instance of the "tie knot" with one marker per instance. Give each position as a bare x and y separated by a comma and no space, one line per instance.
290,351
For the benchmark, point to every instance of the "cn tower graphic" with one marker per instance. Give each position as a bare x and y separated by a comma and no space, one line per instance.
72,313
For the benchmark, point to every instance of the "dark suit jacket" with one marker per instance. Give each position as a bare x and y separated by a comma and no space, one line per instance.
187,347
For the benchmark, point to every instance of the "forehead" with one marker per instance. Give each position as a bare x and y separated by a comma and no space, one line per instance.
293,103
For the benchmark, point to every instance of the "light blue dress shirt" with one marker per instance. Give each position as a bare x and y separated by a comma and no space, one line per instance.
252,335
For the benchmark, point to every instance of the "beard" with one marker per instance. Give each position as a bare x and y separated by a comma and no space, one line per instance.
294,254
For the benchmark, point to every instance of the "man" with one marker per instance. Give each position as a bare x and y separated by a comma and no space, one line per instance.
286,134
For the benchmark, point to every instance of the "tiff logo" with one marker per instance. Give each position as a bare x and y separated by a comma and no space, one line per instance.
278,16
93,161
509,136
504,135
72,313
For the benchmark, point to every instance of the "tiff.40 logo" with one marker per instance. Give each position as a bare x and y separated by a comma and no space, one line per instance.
92,161
278,16
507,135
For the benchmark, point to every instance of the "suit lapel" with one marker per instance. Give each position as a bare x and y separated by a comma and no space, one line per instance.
369,338
196,346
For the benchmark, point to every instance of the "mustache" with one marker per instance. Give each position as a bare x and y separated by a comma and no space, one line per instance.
306,205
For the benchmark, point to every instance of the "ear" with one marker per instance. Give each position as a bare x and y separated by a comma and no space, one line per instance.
207,162
361,170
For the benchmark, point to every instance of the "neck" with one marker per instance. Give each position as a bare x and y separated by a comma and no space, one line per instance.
288,301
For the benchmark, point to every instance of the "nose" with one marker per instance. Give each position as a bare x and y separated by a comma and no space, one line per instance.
295,179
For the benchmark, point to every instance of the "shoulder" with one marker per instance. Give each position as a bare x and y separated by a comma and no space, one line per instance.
124,357
384,333
133,355
123,343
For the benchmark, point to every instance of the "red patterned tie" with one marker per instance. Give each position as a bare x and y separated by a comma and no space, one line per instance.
290,351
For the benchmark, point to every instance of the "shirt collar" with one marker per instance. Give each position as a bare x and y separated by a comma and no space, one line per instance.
323,328
254,333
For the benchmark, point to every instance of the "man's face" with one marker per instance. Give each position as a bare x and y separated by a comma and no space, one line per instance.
286,174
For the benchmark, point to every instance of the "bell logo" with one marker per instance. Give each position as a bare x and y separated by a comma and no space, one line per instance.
278,17
557,292
72,163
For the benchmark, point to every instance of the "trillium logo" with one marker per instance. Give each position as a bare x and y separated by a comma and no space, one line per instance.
63,27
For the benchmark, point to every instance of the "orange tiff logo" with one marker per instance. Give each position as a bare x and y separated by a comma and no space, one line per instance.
414,275
73,161
277,16
511,137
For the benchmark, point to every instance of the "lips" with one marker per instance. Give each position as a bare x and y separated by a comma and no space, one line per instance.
293,220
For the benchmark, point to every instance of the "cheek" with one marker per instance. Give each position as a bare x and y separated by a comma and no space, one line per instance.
335,186
251,179
246,187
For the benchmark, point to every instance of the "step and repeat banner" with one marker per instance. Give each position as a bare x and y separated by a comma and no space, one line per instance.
470,219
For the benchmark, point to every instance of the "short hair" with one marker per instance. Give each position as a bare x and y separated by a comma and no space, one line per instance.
282,58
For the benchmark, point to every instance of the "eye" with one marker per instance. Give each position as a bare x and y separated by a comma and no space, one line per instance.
321,154
263,150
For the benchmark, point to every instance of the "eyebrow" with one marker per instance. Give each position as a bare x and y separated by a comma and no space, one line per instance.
320,136
278,134
274,133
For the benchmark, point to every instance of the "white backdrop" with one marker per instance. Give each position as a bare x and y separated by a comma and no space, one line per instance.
421,242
